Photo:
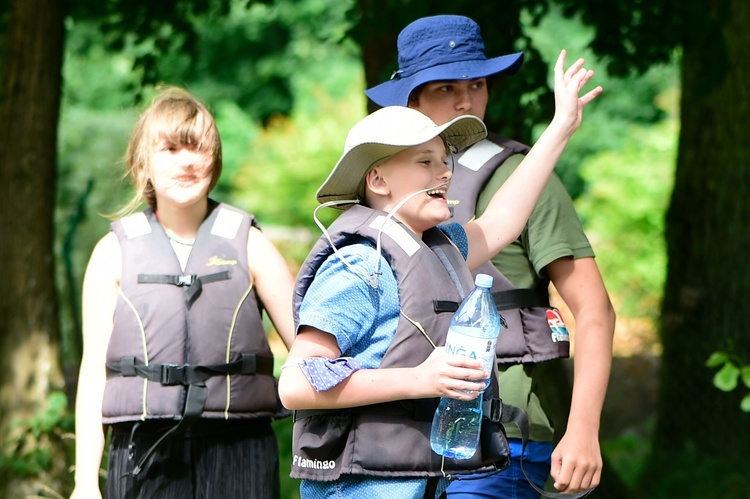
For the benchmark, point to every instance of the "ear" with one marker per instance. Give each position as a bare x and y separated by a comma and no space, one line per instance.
376,182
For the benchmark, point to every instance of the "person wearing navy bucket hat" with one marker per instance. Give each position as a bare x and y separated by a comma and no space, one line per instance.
443,72
439,48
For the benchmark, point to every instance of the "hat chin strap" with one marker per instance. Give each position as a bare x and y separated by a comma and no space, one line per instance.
373,280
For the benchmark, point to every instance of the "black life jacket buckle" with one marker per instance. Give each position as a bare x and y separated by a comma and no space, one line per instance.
173,374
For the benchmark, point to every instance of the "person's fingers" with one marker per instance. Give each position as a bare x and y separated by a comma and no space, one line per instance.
463,361
471,368
562,481
587,479
466,374
586,77
596,478
589,96
574,69
556,465
560,64
577,476
465,390
575,80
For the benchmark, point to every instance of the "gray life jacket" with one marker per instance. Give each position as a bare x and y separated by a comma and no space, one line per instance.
535,330
188,345
392,439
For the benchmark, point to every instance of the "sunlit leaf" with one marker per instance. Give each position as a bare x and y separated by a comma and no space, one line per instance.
745,404
727,377
716,359
746,376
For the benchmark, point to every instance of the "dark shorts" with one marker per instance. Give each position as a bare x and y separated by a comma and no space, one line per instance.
215,459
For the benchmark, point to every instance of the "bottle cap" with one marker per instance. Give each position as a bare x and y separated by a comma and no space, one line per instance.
483,280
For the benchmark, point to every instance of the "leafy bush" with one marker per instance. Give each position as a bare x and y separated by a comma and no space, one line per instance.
39,447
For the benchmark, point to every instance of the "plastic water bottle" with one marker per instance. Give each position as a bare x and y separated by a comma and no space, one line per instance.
473,333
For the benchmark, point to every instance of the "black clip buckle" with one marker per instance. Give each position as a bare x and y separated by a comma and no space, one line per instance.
172,374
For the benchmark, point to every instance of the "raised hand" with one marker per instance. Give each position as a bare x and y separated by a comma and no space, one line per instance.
569,103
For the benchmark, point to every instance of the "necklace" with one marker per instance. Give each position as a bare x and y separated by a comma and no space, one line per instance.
184,242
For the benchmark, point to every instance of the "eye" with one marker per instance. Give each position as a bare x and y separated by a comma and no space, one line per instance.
438,87
448,162
479,84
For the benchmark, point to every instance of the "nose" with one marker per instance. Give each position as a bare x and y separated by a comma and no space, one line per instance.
463,100
446,173
186,158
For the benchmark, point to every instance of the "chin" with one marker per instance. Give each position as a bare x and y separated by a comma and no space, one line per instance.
438,219
446,215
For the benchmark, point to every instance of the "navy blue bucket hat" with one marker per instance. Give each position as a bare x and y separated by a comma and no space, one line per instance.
439,48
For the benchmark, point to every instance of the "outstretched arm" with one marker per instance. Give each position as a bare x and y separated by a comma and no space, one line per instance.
511,206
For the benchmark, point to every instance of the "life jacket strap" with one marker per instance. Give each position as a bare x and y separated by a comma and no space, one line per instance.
189,374
193,282
441,306
504,300
194,376
418,410
521,298
498,411
194,402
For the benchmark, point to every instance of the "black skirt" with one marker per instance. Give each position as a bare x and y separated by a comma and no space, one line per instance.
213,459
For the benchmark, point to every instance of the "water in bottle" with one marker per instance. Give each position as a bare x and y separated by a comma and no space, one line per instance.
473,333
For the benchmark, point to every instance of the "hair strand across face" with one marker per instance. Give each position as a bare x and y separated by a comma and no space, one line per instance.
174,116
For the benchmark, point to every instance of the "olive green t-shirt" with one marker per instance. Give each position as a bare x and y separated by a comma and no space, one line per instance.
553,231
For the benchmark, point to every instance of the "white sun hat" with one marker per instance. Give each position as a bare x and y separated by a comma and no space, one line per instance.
384,133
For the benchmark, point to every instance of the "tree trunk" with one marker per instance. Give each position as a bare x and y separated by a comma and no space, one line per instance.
376,34
29,329
708,239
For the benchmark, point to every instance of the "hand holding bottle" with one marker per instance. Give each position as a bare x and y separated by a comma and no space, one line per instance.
448,375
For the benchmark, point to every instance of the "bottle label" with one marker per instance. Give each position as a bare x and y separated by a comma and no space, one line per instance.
482,349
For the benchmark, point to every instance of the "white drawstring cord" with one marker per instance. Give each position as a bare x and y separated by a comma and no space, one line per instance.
367,279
